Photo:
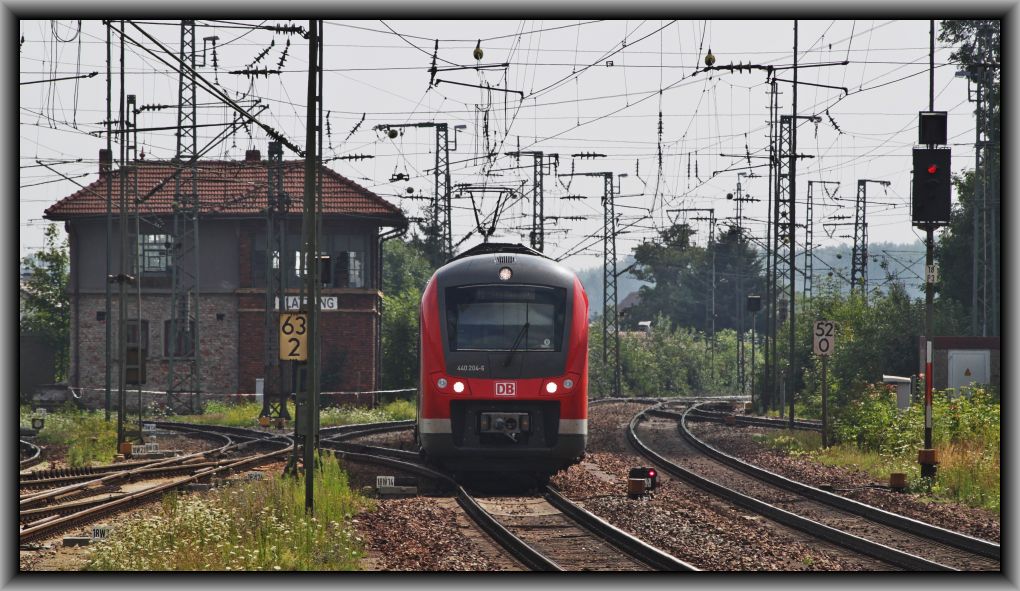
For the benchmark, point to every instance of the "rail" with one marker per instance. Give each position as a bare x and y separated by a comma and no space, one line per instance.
811,527
901,522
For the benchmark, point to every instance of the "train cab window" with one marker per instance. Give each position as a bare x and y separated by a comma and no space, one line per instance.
501,318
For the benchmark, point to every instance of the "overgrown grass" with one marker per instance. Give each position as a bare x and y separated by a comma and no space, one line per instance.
88,436
245,414
252,526
873,436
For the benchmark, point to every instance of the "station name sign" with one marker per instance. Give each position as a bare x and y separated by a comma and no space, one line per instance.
326,303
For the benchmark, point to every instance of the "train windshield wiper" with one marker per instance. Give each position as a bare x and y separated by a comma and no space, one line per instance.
517,342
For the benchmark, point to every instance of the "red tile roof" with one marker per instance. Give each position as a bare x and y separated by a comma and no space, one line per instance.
228,188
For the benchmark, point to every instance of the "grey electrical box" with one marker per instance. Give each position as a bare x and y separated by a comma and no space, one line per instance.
902,390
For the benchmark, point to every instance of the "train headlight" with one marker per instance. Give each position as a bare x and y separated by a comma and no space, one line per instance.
550,387
458,387
505,274
442,383
568,383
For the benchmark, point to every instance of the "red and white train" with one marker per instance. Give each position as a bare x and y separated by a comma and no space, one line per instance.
504,363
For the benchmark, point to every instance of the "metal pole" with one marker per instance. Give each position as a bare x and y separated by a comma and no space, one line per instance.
825,401
929,316
711,238
537,203
123,271
311,267
739,300
977,185
109,223
770,300
754,323
928,469
793,234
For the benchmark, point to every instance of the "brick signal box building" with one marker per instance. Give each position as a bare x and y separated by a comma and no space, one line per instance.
232,273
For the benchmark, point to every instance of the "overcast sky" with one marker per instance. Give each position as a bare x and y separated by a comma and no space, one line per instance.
588,86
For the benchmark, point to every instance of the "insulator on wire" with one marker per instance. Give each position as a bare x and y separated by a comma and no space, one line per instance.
283,56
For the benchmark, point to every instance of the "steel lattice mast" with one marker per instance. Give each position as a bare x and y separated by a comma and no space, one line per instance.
184,366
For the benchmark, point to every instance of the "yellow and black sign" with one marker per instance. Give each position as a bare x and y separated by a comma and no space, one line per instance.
294,337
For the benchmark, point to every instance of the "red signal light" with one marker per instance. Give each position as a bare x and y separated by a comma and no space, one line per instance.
932,169
651,473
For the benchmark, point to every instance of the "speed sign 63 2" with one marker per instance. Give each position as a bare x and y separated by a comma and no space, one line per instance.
294,337
825,337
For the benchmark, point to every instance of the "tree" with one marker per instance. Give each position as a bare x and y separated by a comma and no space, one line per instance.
671,264
954,249
682,276
405,265
978,50
737,265
45,303
978,45
406,270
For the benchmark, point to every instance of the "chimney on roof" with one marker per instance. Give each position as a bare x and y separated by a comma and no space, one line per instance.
252,156
105,161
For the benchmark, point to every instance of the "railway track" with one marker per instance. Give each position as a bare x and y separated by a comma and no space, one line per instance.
48,513
699,414
905,524
31,454
545,532
792,505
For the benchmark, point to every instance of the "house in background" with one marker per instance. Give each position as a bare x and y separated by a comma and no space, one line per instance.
231,274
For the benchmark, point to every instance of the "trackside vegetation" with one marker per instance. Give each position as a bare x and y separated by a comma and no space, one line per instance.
245,414
875,437
258,525
88,436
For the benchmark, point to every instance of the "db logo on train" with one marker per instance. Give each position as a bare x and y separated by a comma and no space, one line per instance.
506,388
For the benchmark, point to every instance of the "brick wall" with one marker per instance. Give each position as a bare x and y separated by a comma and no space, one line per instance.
218,333
348,341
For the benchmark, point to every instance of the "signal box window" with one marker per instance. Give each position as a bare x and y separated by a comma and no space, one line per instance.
504,318
153,253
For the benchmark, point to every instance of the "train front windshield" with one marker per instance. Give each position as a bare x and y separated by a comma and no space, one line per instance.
505,317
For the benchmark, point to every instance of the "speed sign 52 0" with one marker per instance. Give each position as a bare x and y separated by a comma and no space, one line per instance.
825,337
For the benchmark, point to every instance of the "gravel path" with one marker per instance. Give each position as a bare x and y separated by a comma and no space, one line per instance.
427,534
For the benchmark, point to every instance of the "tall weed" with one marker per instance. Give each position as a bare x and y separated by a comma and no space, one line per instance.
877,437
245,414
88,436
252,526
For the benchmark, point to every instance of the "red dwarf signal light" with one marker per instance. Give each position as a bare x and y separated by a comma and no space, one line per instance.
932,169
649,474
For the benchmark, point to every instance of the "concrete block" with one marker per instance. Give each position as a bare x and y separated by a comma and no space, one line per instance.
393,491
